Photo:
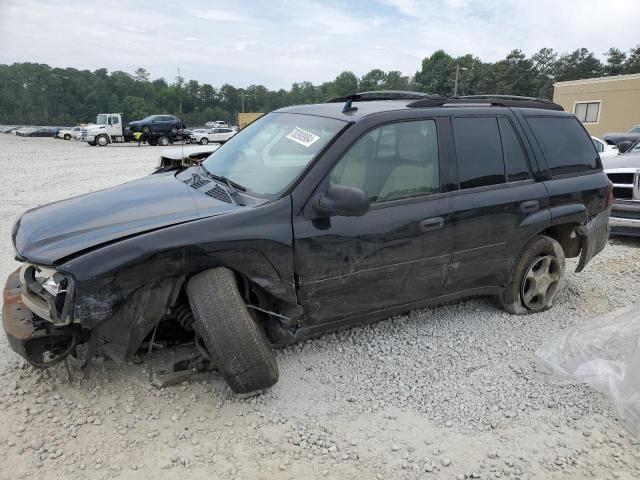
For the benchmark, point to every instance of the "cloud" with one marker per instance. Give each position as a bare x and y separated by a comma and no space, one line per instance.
406,7
245,43
219,15
132,29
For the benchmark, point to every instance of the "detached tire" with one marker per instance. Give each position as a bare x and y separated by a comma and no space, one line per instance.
237,345
536,278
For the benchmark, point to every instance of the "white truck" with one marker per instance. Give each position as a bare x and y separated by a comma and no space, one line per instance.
108,129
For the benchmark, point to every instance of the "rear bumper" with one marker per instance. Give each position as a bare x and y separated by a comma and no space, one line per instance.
594,235
40,342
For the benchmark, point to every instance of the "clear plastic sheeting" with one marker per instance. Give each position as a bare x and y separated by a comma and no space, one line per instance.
604,354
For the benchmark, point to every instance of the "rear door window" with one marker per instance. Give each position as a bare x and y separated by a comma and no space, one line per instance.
479,151
565,145
515,158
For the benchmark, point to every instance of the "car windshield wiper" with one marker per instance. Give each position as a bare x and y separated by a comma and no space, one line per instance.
232,187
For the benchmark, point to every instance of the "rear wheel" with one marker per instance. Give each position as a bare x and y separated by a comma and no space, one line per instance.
93,144
67,136
537,277
236,343
163,141
204,140
146,130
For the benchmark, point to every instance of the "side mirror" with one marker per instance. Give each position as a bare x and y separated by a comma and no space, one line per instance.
624,146
341,200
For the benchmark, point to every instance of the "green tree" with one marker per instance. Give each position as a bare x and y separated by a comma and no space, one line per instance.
616,61
437,74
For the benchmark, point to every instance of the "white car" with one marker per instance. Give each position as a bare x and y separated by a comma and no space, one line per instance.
217,135
69,133
604,149
185,156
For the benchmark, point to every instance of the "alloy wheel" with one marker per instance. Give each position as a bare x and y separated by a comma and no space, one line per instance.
540,283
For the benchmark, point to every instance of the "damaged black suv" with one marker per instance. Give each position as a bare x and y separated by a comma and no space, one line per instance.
314,218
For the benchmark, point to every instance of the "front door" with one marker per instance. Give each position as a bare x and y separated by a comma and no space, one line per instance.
398,252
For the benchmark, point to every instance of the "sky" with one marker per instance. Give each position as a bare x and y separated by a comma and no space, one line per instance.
278,42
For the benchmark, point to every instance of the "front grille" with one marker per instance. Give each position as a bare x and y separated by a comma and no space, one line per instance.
623,193
219,193
621,178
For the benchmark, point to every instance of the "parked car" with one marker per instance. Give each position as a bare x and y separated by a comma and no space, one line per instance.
21,132
69,133
157,124
218,135
185,156
604,149
38,132
624,172
314,218
631,135
217,124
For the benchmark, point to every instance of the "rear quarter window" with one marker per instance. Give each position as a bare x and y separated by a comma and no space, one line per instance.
565,145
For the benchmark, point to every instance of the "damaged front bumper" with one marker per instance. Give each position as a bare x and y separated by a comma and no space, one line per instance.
40,342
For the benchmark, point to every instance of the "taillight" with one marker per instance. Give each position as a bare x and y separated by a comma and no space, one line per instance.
610,194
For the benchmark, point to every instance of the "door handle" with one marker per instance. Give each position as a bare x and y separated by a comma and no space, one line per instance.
530,206
431,224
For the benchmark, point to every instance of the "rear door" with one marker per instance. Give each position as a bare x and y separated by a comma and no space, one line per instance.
499,204
398,252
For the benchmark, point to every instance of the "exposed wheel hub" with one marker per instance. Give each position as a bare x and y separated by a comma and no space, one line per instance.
540,283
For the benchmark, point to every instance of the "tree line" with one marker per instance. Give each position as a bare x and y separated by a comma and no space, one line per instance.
32,93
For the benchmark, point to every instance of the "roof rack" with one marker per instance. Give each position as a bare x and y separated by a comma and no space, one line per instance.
492,100
382,95
379,95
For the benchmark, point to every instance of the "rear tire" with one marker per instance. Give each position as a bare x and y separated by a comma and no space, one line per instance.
92,144
67,137
163,141
146,130
204,141
536,278
237,344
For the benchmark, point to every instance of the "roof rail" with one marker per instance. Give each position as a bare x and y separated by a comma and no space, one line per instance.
492,100
382,95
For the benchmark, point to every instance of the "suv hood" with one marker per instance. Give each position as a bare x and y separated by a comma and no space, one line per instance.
45,235
626,160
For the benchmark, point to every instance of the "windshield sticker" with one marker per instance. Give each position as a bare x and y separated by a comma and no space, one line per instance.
304,138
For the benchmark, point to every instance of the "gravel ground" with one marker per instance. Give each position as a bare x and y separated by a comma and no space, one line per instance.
447,392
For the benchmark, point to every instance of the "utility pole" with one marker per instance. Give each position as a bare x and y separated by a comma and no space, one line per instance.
455,84
179,90
242,100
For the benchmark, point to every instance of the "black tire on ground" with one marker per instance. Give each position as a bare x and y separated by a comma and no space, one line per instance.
536,278
152,141
237,344
163,141
204,141
102,141
146,129
67,136
93,144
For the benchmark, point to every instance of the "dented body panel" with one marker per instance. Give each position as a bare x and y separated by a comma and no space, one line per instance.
130,250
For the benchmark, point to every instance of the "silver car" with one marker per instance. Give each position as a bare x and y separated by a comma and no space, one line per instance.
624,172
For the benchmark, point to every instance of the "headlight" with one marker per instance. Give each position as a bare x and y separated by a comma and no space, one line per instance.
48,293
51,280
